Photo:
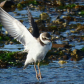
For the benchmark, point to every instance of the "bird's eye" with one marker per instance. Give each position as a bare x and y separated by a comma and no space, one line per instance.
44,38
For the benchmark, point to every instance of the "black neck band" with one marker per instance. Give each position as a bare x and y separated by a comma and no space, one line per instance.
42,43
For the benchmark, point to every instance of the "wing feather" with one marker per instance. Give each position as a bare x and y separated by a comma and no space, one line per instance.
15,28
33,25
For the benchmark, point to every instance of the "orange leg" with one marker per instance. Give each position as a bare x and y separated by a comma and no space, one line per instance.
36,71
39,70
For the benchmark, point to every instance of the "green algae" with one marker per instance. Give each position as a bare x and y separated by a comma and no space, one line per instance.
67,6
0,25
81,12
7,38
82,49
0,38
26,3
9,59
70,5
7,56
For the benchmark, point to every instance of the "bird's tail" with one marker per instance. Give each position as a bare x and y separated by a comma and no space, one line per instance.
25,66
28,61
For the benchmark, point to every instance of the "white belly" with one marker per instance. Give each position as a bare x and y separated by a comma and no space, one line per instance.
37,53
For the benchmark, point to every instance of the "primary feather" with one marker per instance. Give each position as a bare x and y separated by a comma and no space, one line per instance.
33,24
15,28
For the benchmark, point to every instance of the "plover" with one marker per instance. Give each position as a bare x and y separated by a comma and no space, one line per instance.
37,45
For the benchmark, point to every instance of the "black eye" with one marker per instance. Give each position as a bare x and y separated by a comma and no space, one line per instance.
44,38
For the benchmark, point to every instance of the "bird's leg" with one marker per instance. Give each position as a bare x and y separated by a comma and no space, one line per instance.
39,70
36,71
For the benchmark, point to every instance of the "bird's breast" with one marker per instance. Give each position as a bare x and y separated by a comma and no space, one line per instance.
38,52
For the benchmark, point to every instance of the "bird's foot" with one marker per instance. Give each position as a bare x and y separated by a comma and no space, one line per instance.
38,76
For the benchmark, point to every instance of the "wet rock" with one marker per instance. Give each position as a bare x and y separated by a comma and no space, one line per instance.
79,7
52,57
19,6
77,55
60,45
21,21
7,4
65,57
80,27
44,16
69,18
40,7
59,21
6,32
62,62
3,64
72,31
41,25
11,42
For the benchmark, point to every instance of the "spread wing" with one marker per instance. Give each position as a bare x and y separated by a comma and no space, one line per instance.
33,25
15,28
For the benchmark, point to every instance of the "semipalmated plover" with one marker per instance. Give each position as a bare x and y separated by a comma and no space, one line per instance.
37,45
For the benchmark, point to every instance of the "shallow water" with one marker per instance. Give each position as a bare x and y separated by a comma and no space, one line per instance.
13,47
53,73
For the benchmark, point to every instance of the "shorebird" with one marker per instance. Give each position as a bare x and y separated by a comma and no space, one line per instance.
37,45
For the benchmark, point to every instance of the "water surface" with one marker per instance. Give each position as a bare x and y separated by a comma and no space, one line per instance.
54,73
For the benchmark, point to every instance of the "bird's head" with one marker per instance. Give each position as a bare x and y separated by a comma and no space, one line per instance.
45,38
